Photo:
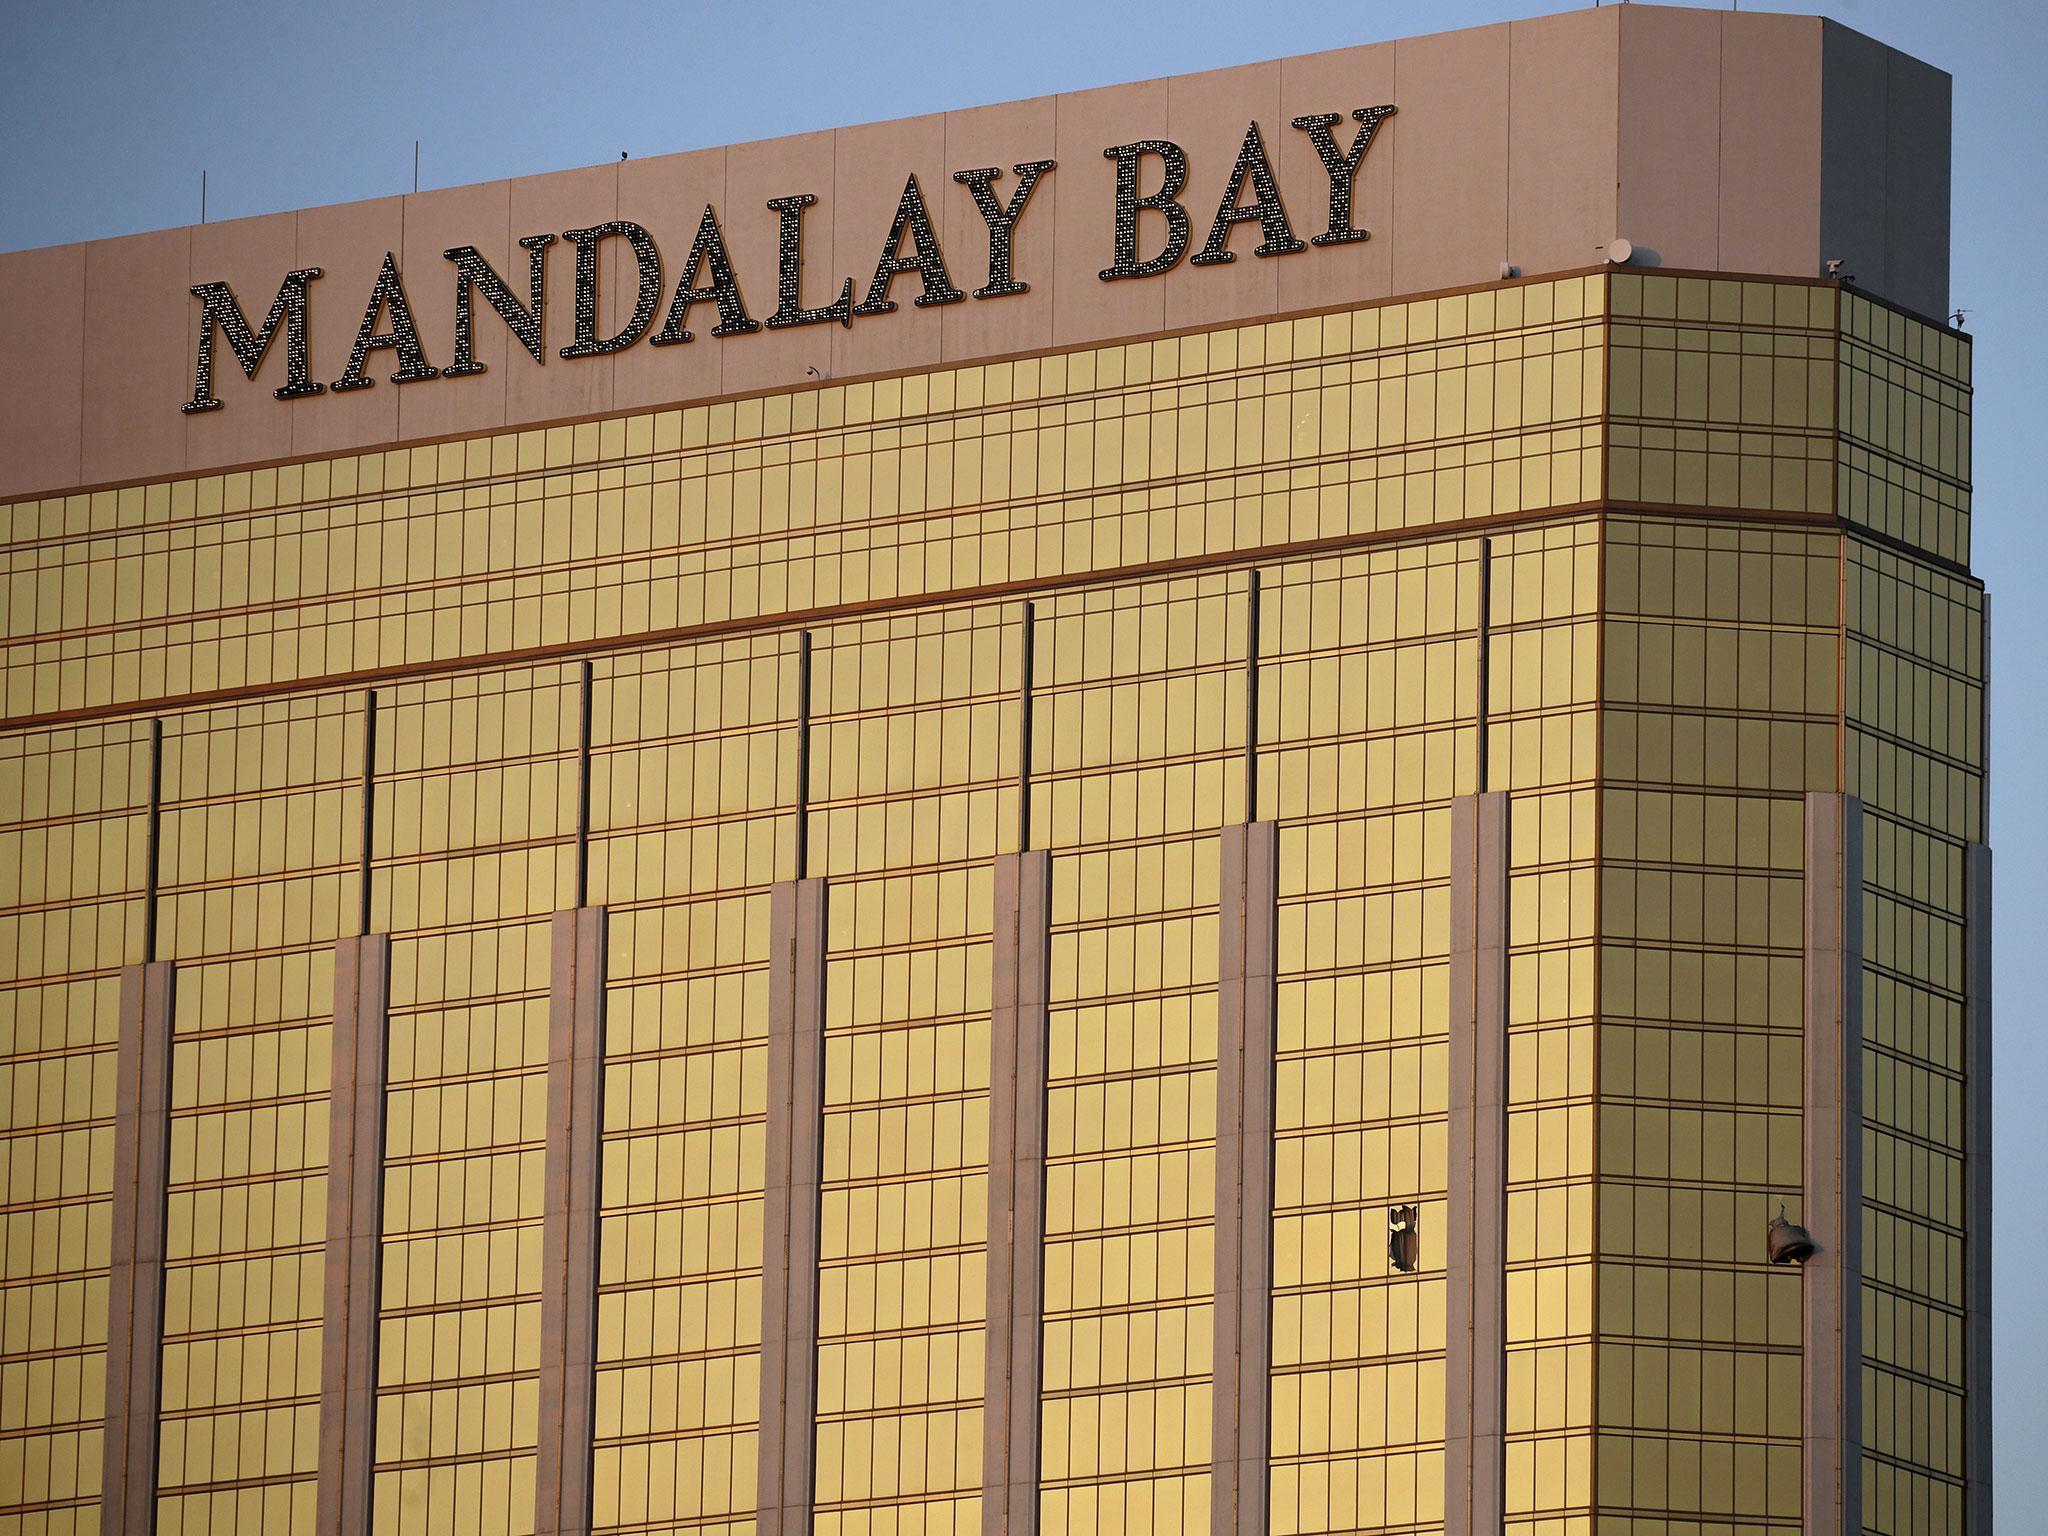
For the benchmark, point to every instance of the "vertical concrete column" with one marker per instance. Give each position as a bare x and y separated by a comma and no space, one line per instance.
1246,957
789,1217
1016,1194
135,1279
569,1203
355,1229
1832,1284
1977,1377
1475,1207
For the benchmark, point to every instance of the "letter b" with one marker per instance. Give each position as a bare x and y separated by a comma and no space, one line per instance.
1128,203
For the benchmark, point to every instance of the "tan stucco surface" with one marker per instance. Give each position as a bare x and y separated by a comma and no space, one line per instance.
1713,140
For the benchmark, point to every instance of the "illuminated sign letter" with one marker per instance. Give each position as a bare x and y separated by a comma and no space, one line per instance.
220,311
472,271
912,218
707,249
1266,208
789,271
1001,221
1175,160
1343,168
402,338
645,254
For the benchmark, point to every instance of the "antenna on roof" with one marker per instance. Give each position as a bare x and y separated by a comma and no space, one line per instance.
202,196
415,165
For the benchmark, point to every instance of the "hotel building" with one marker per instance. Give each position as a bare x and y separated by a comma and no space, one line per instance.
1253,803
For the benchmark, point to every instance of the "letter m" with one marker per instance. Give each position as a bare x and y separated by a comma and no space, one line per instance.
222,313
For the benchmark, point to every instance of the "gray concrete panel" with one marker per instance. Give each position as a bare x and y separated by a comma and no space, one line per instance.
1853,135
1916,214
1884,182
1978,1369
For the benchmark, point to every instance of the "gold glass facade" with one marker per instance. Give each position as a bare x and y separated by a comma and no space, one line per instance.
1654,556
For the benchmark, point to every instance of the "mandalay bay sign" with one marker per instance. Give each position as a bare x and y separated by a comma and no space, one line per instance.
910,249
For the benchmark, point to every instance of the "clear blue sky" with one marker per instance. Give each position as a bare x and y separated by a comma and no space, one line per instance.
111,110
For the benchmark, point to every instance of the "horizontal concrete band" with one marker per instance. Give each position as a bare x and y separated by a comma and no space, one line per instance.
1246,960
1977,1244
135,1278
792,1170
355,1222
570,1190
1016,1195
1832,1285
1475,1207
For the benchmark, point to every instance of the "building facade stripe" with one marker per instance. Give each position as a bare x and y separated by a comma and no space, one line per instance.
1978,1370
135,1277
822,615
1027,667
1246,960
355,1222
1016,1199
1003,1243
789,1221
1475,1207
1831,1289
568,1309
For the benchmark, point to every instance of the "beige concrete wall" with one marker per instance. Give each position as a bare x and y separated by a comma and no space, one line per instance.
135,1259
1247,944
1012,1373
1476,1162
1732,141
358,1084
